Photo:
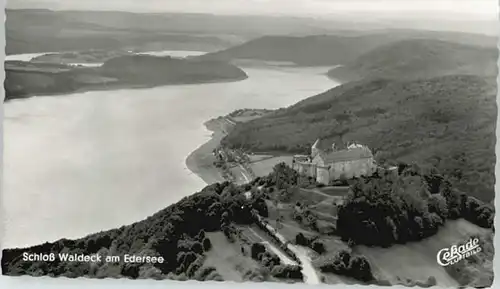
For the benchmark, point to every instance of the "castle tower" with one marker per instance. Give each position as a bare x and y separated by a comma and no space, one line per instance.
315,149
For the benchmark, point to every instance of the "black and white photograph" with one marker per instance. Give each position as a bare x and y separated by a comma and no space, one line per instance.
285,141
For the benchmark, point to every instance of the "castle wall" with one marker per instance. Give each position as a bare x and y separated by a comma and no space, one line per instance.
350,169
327,172
323,175
307,169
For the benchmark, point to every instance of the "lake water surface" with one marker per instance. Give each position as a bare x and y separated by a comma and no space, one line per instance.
86,162
173,53
23,57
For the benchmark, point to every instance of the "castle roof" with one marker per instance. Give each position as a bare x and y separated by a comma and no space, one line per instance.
317,144
347,155
321,145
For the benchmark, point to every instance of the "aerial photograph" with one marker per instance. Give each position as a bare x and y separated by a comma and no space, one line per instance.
286,141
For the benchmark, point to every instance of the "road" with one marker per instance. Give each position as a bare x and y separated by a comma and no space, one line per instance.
245,174
310,275
241,175
283,257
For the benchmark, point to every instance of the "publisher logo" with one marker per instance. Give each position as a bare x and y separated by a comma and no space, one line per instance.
456,253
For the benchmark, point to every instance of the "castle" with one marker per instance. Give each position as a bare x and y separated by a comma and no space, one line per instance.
330,164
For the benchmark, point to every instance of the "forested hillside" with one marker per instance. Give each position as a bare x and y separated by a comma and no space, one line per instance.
28,79
308,50
423,58
448,121
372,48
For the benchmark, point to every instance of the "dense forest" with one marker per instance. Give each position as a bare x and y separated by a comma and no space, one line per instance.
419,58
411,207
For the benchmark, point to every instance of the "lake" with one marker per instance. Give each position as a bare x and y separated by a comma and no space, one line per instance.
173,53
82,163
24,57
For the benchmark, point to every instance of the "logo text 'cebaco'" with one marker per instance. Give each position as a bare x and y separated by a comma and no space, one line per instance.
456,253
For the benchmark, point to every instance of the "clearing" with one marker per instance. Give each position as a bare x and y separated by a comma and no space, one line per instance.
227,259
262,165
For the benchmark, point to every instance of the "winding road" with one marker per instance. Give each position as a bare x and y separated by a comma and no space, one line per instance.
310,274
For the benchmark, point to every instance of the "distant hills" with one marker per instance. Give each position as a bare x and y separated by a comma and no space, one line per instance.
308,50
341,48
28,79
32,31
38,30
419,58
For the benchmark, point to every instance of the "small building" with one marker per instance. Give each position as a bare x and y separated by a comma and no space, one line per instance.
248,195
330,164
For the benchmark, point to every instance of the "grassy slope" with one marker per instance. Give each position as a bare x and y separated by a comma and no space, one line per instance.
407,117
227,258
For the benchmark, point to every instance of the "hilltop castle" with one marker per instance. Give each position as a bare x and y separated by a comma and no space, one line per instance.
330,164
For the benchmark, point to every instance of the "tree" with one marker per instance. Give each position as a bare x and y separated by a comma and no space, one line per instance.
287,271
344,256
201,235
260,205
302,240
438,205
319,247
207,245
257,249
360,269
195,266
197,248
225,219
131,270
279,222
189,258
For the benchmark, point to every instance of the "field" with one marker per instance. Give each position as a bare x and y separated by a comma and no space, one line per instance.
265,165
321,206
227,258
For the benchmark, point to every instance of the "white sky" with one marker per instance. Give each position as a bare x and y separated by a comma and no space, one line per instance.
477,9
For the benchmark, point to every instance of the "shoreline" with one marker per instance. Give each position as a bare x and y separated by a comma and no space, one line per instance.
201,161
